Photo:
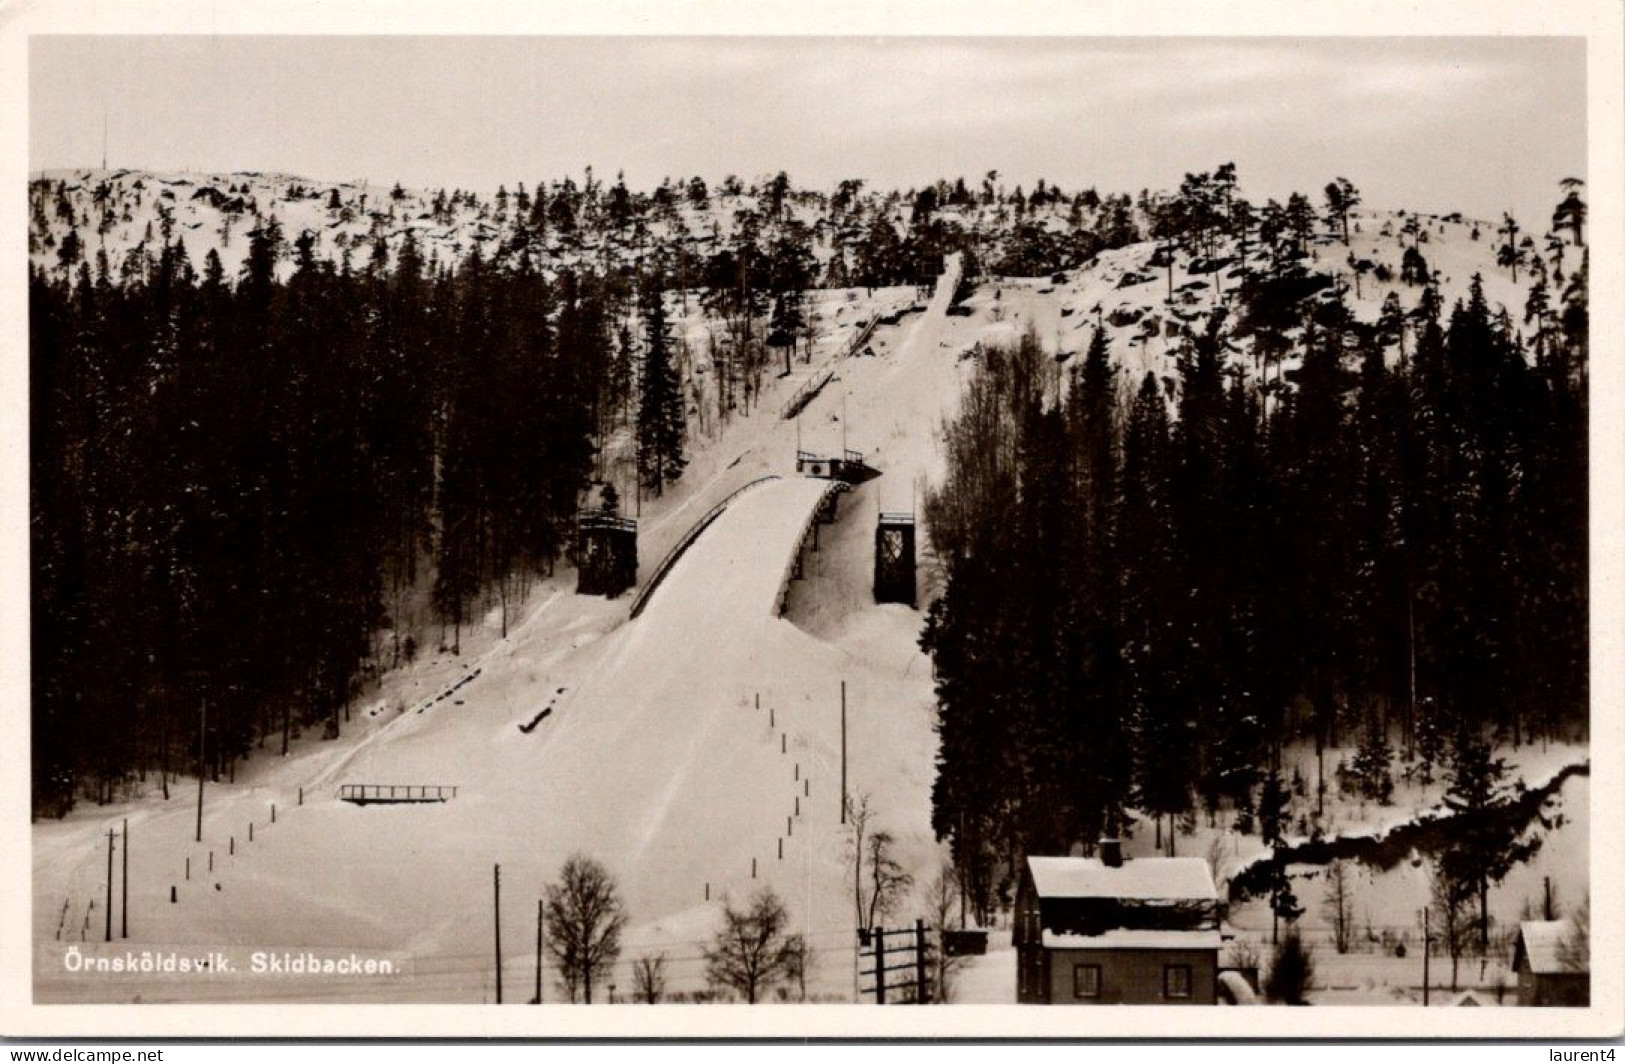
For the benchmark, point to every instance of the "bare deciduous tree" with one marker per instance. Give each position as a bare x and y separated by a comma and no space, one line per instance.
1450,918
1217,860
585,916
649,978
888,883
858,815
941,899
753,950
1337,905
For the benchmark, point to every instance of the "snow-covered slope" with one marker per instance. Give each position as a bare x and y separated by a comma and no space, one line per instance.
677,749
653,757
119,211
1123,292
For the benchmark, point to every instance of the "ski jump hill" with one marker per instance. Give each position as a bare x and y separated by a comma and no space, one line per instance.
695,751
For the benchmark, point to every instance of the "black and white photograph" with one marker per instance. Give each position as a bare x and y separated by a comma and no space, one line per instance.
786,518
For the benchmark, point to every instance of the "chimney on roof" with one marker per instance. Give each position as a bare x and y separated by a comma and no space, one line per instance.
1111,853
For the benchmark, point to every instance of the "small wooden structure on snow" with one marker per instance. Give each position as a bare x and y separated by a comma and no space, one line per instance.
1553,962
606,553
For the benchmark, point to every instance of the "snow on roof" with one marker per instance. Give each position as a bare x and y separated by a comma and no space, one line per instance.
1143,878
1542,942
1134,938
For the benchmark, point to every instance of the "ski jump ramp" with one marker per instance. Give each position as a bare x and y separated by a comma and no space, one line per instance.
735,570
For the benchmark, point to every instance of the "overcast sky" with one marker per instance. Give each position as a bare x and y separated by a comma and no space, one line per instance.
1475,124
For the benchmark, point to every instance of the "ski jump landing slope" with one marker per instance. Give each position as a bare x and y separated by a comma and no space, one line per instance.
655,760
694,751
742,555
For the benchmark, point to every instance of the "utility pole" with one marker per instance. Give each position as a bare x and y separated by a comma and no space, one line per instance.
110,836
496,915
1427,952
202,732
843,751
124,897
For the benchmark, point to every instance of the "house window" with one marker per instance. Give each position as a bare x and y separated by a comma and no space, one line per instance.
1176,981
1086,980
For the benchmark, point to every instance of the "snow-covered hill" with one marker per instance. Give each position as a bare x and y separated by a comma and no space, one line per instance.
1125,292
678,749
120,211
654,757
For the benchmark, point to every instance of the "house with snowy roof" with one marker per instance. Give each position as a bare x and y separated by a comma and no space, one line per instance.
1552,959
1109,931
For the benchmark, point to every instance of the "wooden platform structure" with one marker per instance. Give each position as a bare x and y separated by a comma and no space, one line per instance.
606,553
894,558
848,466
395,793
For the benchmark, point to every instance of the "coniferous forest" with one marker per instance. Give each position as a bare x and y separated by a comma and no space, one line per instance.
1356,534
238,479
245,480
1313,527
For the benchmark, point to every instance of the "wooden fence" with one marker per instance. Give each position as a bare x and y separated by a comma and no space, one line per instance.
892,983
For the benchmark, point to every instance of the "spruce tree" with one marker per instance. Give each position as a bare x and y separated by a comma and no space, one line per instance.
1485,846
1283,901
1273,807
661,412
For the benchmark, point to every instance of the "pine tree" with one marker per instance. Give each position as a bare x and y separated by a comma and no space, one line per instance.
1373,766
661,409
1166,764
1571,212
1283,901
1341,199
1484,846
1273,807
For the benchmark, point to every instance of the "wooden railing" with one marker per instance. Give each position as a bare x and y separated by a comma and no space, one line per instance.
364,793
605,519
834,488
816,383
804,394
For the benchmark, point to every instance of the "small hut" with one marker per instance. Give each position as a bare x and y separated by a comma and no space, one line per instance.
1552,959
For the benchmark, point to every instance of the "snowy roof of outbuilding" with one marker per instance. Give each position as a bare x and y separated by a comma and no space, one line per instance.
1542,942
1240,991
1142,879
1134,938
